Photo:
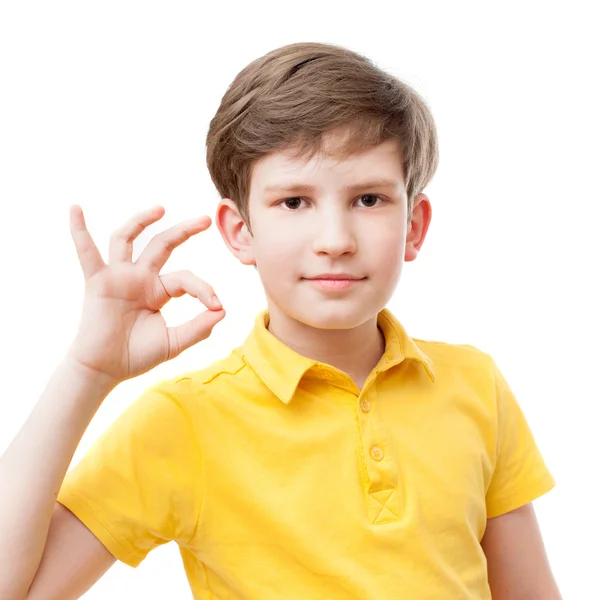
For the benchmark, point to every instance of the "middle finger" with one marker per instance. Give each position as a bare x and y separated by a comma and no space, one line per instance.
121,241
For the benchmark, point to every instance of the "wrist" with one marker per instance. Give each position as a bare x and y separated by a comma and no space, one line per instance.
101,382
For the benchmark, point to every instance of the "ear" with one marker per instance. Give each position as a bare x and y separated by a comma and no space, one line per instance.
418,226
234,231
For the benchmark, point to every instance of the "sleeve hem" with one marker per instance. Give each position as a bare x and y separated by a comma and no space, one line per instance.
512,502
106,533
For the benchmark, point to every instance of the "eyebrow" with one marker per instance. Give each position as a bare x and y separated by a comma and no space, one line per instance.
304,188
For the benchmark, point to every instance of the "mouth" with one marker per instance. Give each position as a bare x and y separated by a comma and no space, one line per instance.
336,276
335,281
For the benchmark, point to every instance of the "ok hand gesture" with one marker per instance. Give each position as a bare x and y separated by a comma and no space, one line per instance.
122,333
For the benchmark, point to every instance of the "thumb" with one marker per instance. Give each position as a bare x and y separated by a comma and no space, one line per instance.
193,331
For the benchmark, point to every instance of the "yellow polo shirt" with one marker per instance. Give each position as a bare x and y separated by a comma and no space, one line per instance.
278,478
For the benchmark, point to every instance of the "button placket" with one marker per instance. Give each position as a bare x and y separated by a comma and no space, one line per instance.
382,489
370,430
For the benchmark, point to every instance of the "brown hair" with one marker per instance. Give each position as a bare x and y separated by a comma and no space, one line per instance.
292,96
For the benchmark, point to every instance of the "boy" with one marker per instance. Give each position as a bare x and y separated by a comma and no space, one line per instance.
331,456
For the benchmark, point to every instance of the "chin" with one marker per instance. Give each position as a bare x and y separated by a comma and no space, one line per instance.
334,316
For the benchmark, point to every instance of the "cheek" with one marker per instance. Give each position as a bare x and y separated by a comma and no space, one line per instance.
277,250
385,246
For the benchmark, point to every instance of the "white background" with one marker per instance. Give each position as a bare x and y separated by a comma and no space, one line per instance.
108,104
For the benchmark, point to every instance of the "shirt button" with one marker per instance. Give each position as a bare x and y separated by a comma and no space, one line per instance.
365,405
376,453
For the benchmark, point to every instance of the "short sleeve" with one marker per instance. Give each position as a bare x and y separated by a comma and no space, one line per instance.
138,485
520,474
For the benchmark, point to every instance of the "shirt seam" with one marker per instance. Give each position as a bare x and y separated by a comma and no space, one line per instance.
223,371
494,390
199,470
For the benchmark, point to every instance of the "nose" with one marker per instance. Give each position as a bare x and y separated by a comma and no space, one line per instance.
333,235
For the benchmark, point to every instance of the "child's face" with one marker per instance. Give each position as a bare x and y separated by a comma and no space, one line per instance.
329,216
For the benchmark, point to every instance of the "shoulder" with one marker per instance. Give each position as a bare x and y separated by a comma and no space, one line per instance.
463,369
455,356
212,379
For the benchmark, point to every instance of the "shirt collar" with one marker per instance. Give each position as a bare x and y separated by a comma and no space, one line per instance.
282,369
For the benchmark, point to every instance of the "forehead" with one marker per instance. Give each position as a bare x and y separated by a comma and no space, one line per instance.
283,167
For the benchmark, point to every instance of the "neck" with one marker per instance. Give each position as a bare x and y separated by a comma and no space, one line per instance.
354,351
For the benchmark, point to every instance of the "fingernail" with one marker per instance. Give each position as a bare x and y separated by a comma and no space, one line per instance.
216,301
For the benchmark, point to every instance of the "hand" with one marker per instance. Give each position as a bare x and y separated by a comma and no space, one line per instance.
122,333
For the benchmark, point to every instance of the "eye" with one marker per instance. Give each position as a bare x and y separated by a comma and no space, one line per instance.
292,203
370,200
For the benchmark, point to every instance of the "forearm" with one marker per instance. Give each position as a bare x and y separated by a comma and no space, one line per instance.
33,468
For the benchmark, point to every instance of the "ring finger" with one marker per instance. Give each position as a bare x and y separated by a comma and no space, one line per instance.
120,248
